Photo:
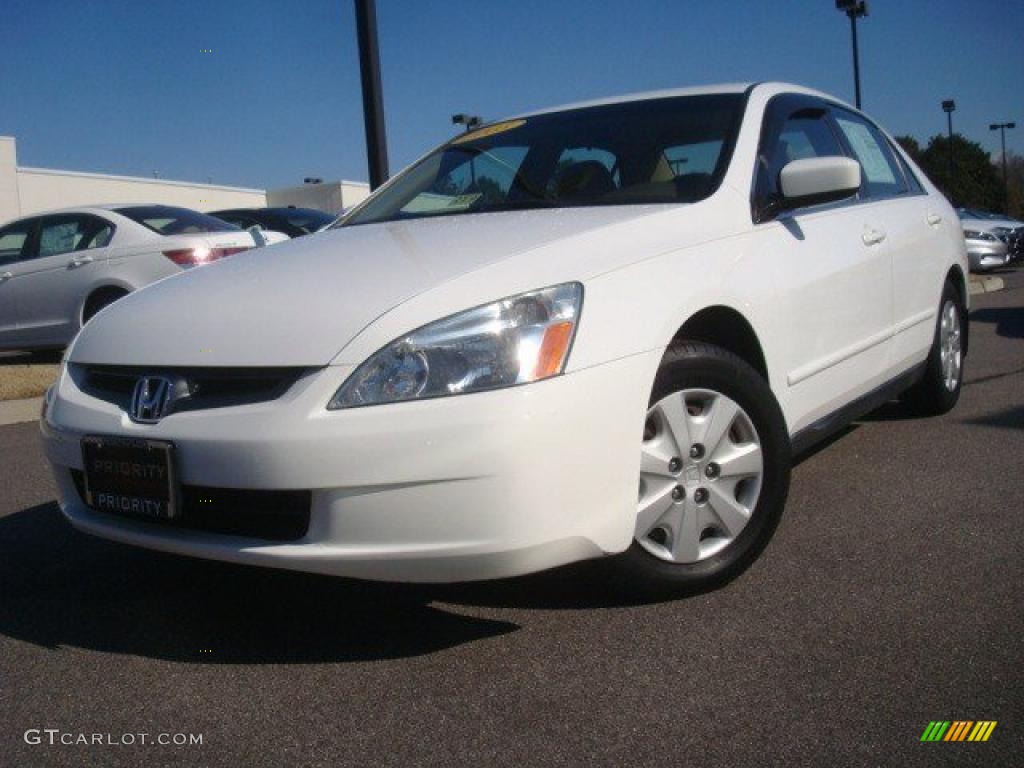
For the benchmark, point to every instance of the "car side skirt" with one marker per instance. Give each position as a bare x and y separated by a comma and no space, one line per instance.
828,425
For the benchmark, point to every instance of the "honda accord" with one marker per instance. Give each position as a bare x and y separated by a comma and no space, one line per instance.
597,330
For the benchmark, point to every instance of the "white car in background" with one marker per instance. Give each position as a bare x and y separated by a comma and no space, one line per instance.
60,268
597,330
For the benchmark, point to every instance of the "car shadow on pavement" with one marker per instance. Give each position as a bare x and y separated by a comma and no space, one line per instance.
1009,321
1008,418
63,588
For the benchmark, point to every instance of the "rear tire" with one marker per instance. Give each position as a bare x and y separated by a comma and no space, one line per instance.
938,390
714,473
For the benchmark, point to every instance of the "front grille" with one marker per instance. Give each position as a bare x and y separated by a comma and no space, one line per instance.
269,515
207,387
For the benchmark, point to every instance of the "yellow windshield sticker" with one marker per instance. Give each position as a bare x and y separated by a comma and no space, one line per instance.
489,130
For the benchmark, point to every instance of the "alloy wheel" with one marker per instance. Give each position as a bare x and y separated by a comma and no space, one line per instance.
949,345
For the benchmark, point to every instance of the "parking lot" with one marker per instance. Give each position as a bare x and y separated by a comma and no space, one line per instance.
889,597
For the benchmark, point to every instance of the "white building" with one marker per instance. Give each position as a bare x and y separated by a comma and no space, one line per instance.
24,191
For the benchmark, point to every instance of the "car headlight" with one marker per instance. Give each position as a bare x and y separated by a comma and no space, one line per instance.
516,340
973,234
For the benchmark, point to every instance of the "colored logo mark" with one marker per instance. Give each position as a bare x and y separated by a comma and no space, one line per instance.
958,730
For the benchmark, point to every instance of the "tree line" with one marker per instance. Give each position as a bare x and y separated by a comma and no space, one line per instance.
977,181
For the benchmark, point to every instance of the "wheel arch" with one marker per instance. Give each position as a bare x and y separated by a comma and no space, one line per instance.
106,288
728,328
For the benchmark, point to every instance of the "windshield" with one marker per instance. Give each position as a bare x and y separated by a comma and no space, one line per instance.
169,220
668,150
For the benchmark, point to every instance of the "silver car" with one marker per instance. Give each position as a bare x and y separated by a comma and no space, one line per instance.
1010,231
58,269
985,250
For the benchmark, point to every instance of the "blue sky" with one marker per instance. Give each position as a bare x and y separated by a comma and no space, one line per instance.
127,87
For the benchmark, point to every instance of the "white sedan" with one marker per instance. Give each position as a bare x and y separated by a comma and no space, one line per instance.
58,269
599,330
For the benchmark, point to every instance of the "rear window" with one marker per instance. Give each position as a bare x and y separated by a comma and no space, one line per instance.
168,220
307,220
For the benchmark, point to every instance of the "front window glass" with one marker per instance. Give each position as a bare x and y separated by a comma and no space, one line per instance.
800,134
168,220
670,150
13,240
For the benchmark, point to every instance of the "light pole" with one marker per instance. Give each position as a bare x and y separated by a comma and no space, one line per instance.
949,107
1001,127
854,9
373,100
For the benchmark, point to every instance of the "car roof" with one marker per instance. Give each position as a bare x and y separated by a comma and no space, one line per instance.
698,90
97,208
279,209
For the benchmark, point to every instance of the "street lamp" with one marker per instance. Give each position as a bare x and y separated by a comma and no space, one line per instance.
854,9
470,121
1001,127
949,107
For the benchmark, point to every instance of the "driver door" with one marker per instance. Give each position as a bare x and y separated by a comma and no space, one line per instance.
832,270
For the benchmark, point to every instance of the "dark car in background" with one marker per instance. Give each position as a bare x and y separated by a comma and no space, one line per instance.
294,222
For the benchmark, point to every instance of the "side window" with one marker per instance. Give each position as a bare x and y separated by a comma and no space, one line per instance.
96,233
800,134
913,183
14,241
64,234
883,176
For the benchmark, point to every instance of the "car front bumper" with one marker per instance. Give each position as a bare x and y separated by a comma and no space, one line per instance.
982,257
469,487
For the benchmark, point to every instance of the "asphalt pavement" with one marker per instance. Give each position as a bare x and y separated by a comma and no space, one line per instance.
889,598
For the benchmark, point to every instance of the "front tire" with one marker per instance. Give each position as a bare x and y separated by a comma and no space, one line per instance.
715,465
938,390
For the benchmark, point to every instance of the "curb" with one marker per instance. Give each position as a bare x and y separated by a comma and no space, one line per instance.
20,411
978,284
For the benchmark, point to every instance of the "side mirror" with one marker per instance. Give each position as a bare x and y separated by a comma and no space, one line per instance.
817,180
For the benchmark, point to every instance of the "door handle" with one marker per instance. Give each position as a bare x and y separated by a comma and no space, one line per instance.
934,219
5,277
873,236
80,261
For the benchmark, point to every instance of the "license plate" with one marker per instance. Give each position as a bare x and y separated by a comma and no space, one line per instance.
129,476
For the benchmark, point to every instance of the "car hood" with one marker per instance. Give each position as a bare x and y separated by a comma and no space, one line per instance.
300,302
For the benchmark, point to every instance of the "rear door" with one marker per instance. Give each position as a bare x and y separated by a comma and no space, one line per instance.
70,254
15,245
833,271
